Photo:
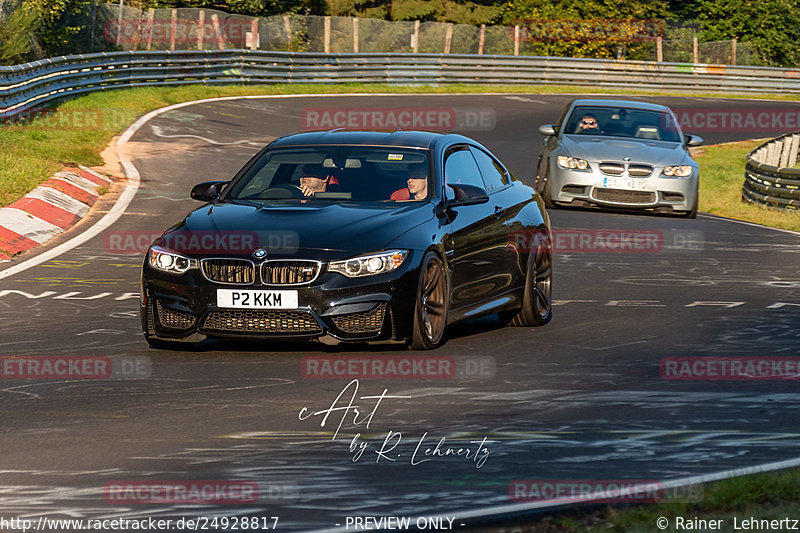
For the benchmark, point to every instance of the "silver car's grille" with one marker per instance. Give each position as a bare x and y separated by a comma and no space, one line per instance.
623,196
289,272
230,271
614,169
640,170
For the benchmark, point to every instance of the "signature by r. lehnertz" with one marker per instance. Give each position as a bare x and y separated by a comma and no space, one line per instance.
347,408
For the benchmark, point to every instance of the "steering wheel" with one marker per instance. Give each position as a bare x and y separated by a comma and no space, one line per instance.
283,191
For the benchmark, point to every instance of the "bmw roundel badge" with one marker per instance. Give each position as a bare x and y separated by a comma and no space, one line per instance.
260,253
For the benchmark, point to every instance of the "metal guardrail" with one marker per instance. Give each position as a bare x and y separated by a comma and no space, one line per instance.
27,86
769,178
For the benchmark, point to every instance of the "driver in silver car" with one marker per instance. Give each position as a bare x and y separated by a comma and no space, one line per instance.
588,124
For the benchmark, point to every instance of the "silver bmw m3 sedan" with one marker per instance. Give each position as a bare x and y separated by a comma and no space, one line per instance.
618,154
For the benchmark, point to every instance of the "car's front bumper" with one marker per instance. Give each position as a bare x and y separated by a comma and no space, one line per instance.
333,307
592,186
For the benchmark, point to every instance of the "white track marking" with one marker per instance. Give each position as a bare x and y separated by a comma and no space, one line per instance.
501,510
723,219
157,130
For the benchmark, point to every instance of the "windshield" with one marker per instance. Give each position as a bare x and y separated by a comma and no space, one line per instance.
622,122
336,174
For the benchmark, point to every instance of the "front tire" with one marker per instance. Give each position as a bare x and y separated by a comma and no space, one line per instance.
537,303
543,186
693,212
430,309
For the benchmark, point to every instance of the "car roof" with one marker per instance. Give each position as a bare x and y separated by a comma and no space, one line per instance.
405,138
618,103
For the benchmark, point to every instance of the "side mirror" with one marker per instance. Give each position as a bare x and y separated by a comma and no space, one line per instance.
694,140
548,130
467,195
208,191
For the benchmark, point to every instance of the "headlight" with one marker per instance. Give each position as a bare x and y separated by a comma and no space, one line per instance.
572,162
167,261
678,171
369,265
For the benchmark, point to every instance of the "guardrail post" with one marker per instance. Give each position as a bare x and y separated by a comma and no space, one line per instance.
217,31
786,147
516,40
771,159
448,38
255,37
201,28
659,49
695,50
793,150
173,28
327,35
415,37
119,24
287,26
733,51
355,35
482,38
151,14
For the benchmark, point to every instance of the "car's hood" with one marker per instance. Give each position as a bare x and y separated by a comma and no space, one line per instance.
658,153
235,229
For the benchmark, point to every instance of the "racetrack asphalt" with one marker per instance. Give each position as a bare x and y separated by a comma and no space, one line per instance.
580,399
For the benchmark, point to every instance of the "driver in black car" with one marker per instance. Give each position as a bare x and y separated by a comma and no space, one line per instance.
312,181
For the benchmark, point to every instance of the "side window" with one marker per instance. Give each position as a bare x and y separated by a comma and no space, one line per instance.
494,175
460,168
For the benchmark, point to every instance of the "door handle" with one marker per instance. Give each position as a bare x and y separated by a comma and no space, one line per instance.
498,211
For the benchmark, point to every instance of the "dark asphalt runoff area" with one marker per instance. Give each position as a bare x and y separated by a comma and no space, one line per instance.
583,398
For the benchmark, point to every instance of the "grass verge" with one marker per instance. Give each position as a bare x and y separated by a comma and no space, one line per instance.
721,179
769,496
78,130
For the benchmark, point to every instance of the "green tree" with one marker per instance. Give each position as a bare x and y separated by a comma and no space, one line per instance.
18,37
771,26
460,12
588,28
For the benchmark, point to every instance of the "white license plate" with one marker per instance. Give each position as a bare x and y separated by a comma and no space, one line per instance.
624,183
251,299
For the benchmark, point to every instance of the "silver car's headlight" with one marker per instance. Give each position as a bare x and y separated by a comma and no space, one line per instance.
678,171
573,163
369,265
166,261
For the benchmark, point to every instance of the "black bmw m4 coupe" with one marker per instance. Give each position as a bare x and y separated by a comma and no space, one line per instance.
352,236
